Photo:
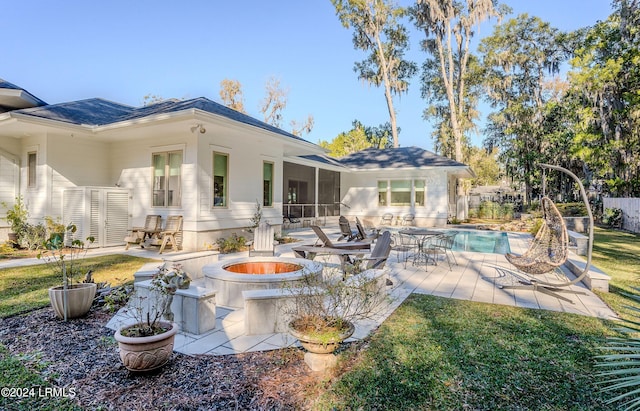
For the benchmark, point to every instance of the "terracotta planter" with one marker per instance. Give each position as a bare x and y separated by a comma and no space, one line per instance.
316,345
147,353
79,299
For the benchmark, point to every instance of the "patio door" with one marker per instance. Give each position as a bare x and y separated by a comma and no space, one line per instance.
100,212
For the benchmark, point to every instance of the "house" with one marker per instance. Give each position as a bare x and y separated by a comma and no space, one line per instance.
105,166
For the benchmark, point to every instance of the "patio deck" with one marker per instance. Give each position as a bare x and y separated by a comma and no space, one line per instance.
472,279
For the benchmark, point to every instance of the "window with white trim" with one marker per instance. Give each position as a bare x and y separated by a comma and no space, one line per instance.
167,171
32,163
267,184
401,193
220,179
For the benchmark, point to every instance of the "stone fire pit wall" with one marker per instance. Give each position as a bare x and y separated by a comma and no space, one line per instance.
229,285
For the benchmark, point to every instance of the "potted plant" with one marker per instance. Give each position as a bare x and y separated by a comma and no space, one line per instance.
147,344
16,216
324,308
69,300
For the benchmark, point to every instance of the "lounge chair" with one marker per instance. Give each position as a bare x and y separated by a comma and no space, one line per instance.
170,234
376,259
362,234
345,230
326,246
137,235
380,253
326,242
263,242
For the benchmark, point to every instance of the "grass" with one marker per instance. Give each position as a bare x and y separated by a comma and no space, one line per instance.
436,353
27,389
26,288
443,354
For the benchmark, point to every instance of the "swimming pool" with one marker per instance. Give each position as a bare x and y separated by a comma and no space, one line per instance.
495,242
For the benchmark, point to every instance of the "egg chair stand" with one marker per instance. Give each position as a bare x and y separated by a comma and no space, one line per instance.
550,249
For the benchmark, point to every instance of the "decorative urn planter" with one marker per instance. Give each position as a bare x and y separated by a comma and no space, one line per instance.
79,298
147,353
322,345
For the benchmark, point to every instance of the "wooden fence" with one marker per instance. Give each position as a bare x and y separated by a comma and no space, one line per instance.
630,211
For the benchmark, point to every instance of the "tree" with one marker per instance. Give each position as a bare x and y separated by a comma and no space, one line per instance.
485,165
378,32
274,102
605,80
448,28
151,99
231,95
297,129
516,57
359,138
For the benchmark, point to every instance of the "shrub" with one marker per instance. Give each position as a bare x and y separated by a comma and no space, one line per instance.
537,223
612,217
32,236
232,244
493,210
572,209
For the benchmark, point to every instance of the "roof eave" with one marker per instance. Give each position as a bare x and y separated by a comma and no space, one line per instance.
26,118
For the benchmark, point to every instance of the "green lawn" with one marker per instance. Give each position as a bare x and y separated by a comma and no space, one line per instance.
25,288
24,388
436,354
617,253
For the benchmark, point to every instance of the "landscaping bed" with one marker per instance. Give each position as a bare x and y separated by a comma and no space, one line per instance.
82,354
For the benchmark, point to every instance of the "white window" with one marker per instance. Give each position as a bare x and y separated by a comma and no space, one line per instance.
267,184
32,162
220,179
401,193
167,170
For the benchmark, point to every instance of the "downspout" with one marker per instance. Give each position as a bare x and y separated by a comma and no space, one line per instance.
315,201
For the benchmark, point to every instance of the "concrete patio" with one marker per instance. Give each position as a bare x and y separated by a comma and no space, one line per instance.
473,279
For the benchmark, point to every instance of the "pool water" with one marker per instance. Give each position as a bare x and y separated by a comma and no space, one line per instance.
482,242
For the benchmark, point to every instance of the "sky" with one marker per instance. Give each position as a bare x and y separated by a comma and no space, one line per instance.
123,50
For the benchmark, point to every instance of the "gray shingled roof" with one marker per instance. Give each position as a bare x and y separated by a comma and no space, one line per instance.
10,86
100,112
401,157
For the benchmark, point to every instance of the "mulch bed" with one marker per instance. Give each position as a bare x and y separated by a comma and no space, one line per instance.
82,354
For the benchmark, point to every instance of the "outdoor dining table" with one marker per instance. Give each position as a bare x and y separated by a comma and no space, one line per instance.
422,236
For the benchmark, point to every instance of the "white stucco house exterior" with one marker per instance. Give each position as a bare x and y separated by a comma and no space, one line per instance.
105,166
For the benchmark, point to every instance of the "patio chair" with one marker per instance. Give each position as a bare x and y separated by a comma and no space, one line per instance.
386,219
137,235
170,234
549,249
263,242
404,245
345,230
362,234
443,245
408,219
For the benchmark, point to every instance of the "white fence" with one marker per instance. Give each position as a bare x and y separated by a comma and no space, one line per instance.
630,211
